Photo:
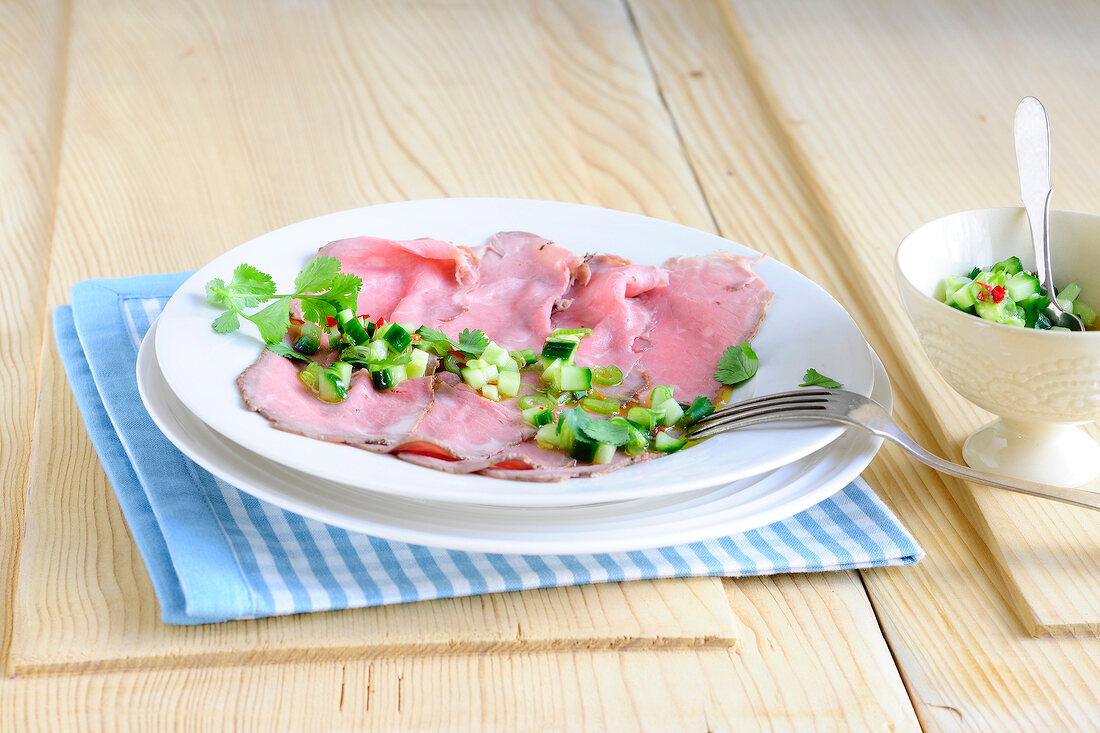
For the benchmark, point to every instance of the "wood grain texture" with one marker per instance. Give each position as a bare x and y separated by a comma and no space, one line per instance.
892,164
32,46
273,116
962,671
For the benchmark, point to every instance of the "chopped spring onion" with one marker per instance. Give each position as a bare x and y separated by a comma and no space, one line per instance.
645,418
525,357
534,400
600,405
580,332
607,376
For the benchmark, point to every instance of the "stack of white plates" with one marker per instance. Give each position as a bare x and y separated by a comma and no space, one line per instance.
731,483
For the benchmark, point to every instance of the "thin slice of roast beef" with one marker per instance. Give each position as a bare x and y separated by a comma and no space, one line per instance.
711,302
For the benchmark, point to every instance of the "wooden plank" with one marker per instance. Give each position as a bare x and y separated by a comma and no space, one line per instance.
966,659
909,156
32,39
191,128
832,672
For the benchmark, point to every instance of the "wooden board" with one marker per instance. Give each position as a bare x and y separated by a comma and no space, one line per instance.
812,659
32,53
966,658
887,152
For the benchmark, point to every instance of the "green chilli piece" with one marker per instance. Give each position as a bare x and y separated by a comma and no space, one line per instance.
534,400
599,405
607,376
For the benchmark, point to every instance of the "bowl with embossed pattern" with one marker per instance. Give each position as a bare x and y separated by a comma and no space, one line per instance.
1042,385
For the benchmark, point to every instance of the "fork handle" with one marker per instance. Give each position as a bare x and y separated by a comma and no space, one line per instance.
885,427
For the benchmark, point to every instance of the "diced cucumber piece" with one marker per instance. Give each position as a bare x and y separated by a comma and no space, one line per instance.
965,297
474,377
418,364
567,430
538,416
311,375
387,377
559,347
495,355
1087,314
547,437
510,366
1069,292
477,363
1011,266
575,379
600,406
397,337
508,383
490,391
671,410
605,452
660,394
342,370
352,327
552,373
330,389
584,450
667,444
491,373
949,286
645,418
1022,286
1006,312
309,338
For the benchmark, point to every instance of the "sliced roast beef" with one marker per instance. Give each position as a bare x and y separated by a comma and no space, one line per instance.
368,419
607,300
462,424
520,277
710,303
420,281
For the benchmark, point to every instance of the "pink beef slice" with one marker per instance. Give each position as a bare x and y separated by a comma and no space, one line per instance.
463,425
609,302
421,281
711,302
369,419
520,278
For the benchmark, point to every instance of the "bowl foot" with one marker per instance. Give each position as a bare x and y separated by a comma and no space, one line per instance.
1056,455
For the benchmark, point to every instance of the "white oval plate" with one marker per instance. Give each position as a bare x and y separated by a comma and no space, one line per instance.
619,526
804,327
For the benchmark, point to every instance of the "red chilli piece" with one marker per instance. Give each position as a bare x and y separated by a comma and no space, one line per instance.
330,321
986,293
998,294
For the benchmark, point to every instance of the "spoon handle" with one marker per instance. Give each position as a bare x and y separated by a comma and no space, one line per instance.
1033,158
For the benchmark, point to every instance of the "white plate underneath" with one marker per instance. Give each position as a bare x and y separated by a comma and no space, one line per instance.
617,526
804,327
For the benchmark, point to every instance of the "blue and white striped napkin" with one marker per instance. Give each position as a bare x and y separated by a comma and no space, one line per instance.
215,553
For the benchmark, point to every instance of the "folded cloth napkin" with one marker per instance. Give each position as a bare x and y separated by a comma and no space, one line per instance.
215,553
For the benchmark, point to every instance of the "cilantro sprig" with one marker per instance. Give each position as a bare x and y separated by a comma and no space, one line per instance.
737,364
814,378
320,288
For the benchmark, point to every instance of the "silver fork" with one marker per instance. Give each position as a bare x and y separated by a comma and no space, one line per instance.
841,406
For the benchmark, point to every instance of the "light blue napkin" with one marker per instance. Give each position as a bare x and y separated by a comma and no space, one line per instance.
215,553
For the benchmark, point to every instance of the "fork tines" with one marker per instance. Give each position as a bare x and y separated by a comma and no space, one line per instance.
795,401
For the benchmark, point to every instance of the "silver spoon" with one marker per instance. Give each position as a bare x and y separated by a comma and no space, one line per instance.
1033,159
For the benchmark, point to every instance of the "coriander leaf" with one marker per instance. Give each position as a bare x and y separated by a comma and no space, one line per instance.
317,310
738,364
472,343
317,275
280,348
814,378
227,322
274,320
603,431
439,342
215,292
249,286
343,290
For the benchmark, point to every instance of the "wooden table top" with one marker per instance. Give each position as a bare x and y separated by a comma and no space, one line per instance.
149,137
